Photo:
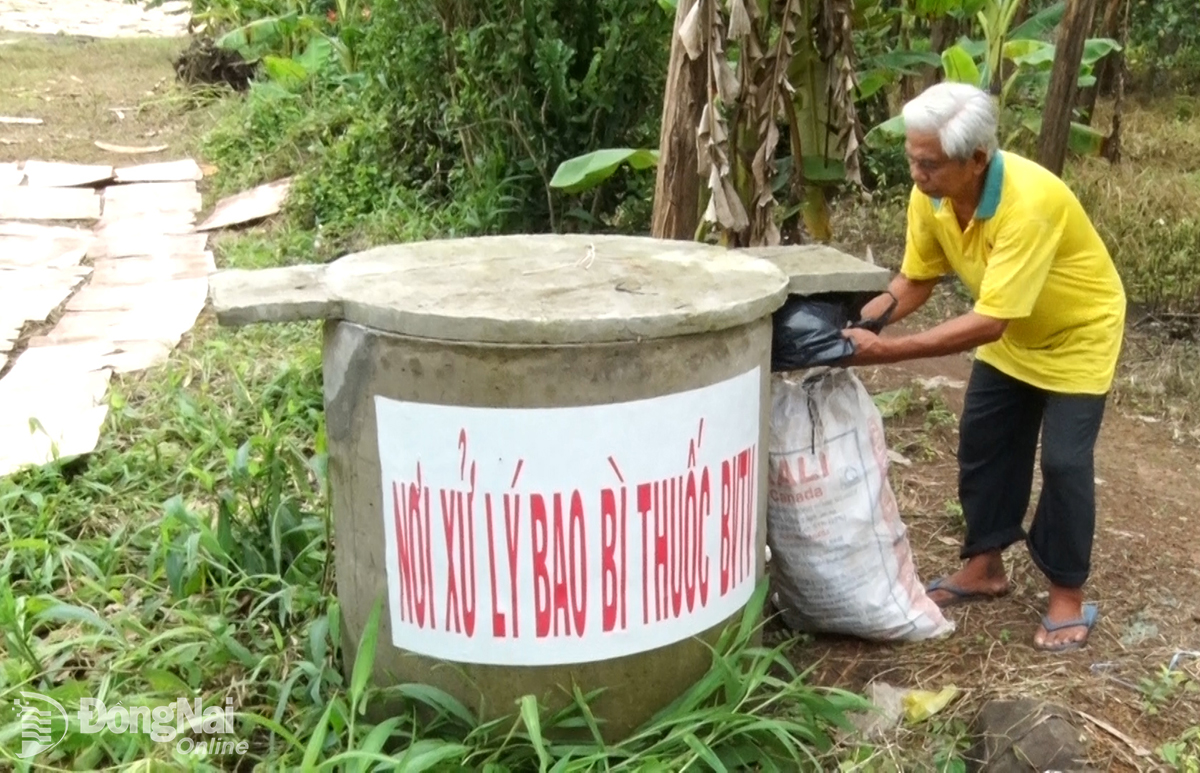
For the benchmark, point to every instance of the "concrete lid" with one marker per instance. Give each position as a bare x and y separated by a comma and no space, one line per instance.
816,268
526,289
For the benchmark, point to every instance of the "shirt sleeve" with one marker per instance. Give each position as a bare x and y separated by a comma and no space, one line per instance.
923,255
1020,260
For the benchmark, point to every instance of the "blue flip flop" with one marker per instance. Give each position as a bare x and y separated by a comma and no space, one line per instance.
960,595
1090,613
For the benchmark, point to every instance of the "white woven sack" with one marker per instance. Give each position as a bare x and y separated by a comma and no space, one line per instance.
840,556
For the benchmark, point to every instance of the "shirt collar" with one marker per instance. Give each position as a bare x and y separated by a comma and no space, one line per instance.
989,202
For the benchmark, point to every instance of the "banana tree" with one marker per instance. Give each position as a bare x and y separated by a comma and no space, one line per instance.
779,75
1014,66
975,60
821,114
910,56
995,17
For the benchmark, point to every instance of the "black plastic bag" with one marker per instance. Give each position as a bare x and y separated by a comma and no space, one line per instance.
807,333
807,330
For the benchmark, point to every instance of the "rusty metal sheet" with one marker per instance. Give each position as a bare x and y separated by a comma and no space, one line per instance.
125,245
52,404
56,174
255,204
146,269
24,203
140,199
161,172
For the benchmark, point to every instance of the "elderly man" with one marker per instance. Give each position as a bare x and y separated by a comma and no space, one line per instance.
1048,320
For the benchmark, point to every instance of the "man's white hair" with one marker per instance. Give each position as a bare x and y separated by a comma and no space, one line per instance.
962,116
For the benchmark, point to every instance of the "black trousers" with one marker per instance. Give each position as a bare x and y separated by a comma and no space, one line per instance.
998,440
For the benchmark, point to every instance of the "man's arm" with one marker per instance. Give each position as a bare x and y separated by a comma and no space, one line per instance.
910,295
1018,265
951,337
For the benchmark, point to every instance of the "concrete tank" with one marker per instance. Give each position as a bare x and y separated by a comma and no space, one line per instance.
547,455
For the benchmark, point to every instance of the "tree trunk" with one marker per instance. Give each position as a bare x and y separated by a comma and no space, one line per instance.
942,35
1021,16
908,85
1106,68
1060,97
677,189
1113,151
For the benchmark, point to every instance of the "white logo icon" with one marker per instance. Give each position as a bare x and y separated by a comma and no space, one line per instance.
164,723
37,729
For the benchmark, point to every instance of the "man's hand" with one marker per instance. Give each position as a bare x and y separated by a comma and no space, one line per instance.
956,335
869,348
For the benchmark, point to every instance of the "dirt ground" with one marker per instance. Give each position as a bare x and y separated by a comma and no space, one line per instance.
1145,577
117,91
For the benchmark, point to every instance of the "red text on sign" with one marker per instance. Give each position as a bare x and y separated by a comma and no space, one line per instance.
556,545
738,478
414,537
613,569
560,589
674,564
512,527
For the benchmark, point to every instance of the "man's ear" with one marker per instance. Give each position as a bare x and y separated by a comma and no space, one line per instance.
980,160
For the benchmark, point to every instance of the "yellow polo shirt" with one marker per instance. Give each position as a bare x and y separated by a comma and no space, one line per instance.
1031,256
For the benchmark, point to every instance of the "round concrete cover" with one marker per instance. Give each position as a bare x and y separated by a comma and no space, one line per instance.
550,289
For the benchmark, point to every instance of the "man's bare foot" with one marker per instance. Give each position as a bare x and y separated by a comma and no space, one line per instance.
982,575
1066,606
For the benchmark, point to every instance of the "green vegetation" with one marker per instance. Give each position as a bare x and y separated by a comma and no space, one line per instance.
452,117
1165,44
1183,754
1018,61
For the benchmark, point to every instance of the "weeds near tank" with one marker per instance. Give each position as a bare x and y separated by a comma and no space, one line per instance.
188,558
751,711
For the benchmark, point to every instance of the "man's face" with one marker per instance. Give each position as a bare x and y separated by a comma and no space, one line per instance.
935,174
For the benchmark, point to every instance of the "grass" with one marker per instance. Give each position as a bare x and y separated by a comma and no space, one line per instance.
1148,210
110,591
1183,753
1146,206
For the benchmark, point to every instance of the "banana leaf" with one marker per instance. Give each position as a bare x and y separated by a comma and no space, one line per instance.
1082,140
589,170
